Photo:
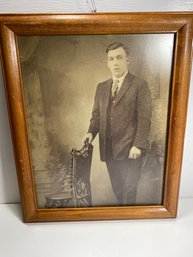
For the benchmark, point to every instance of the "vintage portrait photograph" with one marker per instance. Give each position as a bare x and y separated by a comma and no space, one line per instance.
97,110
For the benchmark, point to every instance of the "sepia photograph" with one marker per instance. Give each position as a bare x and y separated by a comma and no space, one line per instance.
97,109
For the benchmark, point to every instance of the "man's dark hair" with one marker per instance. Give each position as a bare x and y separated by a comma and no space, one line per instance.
116,45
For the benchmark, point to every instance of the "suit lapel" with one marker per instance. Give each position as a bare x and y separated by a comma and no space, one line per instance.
106,93
124,87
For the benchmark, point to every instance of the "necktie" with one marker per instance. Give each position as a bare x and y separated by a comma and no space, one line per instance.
115,87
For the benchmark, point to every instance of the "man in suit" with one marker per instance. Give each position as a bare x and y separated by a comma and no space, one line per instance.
122,116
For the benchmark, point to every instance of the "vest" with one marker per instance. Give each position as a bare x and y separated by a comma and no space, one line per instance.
109,128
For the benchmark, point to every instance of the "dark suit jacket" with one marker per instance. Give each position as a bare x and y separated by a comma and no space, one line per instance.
131,116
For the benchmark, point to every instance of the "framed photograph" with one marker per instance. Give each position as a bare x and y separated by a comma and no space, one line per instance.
97,106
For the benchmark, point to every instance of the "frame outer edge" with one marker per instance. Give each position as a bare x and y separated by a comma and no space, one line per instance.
7,38
181,78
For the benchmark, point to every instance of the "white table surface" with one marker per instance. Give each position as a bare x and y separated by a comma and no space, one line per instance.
151,238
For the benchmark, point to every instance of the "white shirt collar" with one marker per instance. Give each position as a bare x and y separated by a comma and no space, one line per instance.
120,79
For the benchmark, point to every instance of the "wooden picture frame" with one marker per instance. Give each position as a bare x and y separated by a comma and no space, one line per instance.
180,25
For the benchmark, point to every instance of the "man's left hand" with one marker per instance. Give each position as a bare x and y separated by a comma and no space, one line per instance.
134,153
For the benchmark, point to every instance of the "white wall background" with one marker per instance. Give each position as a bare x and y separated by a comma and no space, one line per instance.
8,182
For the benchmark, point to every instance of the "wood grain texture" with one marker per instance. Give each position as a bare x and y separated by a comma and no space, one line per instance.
178,23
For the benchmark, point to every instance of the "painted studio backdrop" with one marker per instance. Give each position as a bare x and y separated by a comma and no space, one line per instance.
60,76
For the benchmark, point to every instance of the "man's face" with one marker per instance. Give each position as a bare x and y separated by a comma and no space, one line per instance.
117,62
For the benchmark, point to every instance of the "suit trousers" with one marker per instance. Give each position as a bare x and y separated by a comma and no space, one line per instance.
124,176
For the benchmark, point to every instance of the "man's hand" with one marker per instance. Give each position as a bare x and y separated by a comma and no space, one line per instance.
87,138
134,153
